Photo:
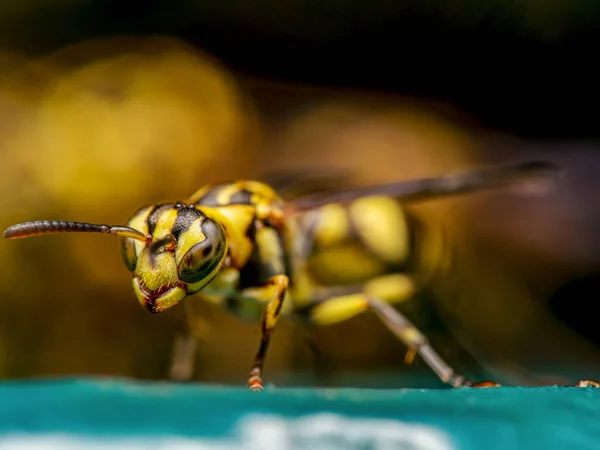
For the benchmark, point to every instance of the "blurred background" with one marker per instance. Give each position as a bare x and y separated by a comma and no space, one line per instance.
106,106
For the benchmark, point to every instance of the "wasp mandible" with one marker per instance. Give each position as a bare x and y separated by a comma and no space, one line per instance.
241,245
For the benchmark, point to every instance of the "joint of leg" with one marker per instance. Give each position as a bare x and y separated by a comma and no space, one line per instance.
413,338
281,281
395,288
457,381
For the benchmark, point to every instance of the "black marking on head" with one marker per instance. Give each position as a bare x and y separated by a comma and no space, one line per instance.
153,257
241,197
185,218
155,214
159,247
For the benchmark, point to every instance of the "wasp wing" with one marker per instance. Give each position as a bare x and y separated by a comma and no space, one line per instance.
421,189
295,183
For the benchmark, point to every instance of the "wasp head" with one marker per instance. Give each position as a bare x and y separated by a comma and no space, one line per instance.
172,250
184,252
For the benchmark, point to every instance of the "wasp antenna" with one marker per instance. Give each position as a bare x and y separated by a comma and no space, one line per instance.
40,227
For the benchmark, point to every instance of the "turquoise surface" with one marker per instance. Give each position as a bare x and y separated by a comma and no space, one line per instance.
108,413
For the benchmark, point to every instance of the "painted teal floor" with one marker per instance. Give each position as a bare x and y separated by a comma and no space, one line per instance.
119,414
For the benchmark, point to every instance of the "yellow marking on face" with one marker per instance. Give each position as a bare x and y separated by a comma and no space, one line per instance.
333,226
138,222
189,238
169,299
382,224
156,271
162,303
165,223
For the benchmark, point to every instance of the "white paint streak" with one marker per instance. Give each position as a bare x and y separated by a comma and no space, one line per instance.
262,432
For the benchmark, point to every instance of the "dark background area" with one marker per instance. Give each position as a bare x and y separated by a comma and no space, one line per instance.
527,67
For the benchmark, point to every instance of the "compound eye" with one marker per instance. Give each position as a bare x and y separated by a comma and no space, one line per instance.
128,254
201,260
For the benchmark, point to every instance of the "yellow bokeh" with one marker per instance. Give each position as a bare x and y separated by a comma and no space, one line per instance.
119,123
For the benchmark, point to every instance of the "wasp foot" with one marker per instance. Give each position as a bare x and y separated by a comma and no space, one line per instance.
255,382
588,383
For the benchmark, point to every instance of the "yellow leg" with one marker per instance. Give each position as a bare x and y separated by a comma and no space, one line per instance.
339,308
275,291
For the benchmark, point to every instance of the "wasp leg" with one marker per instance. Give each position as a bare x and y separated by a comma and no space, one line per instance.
414,339
342,307
182,367
275,290
184,348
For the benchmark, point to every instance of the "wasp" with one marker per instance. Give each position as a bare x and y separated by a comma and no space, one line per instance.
321,258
